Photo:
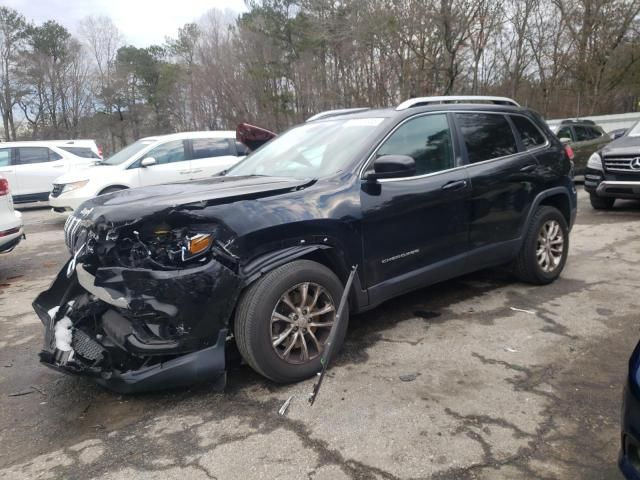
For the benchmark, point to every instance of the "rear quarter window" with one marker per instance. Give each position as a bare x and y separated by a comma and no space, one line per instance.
80,152
486,136
530,135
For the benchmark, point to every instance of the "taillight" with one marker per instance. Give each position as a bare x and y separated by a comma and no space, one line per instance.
100,151
4,187
569,151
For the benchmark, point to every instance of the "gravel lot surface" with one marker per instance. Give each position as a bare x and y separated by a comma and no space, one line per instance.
487,391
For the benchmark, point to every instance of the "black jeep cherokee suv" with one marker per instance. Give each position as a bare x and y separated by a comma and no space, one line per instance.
614,171
162,278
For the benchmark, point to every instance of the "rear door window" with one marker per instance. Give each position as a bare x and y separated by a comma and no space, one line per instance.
530,135
28,155
595,132
486,136
210,147
583,134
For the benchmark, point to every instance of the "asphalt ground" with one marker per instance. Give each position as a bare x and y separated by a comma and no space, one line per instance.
481,377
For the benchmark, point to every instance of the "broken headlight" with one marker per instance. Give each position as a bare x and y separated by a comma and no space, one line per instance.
165,247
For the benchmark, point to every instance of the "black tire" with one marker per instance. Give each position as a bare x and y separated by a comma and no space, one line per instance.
526,266
601,203
111,190
253,319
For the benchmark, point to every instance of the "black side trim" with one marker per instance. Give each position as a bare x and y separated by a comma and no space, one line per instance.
31,197
464,263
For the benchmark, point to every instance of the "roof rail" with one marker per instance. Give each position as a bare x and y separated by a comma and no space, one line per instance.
335,113
420,101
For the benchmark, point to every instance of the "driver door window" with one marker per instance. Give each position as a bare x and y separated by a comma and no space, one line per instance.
170,152
171,165
427,140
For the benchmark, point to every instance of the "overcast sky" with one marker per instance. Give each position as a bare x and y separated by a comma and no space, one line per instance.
142,22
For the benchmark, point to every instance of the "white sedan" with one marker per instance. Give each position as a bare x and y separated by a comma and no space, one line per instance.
178,157
11,231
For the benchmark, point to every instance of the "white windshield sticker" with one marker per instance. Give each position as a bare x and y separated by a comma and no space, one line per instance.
363,122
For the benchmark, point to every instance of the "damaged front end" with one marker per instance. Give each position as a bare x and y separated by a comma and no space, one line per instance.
142,305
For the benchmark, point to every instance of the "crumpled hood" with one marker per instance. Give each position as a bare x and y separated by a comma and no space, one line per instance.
623,146
135,203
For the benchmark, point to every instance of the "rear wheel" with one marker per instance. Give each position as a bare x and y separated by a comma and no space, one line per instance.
601,203
545,248
283,320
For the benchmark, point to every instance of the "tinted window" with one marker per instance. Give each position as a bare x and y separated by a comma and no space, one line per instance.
5,157
426,139
33,155
81,152
54,156
565,132
210,147
169,152
595,132
486,136
583,133
241,149
529,133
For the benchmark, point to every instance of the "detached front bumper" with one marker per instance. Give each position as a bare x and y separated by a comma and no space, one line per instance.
138,330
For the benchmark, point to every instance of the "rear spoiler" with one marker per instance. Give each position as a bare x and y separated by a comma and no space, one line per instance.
253,137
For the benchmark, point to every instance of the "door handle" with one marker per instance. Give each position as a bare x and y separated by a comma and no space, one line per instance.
6,171
58,166
184,172
529,168
455,185
196,171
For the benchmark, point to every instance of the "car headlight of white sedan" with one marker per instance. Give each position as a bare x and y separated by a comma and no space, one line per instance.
68,187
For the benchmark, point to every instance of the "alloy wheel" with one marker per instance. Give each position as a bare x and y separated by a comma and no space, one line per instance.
550,246
301,322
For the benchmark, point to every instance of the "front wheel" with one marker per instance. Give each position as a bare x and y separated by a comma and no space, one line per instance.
545,248
283,320
601,203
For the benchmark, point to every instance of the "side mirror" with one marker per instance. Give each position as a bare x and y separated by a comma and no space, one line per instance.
565,140
147,162
392,166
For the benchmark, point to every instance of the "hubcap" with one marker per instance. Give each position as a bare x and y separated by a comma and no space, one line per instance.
550,246
301,322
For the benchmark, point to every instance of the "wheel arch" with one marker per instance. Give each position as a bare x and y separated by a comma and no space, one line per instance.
557,197
121,187
325,255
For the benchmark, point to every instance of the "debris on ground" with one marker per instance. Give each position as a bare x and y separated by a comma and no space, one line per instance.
510,350
409,377
285,406
21,393
530,312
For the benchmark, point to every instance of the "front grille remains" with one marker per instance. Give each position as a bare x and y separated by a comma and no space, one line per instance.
621,164
85,346
71,227
57,190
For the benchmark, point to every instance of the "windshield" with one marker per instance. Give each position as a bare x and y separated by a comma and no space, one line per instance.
126,153
635,131
311,150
